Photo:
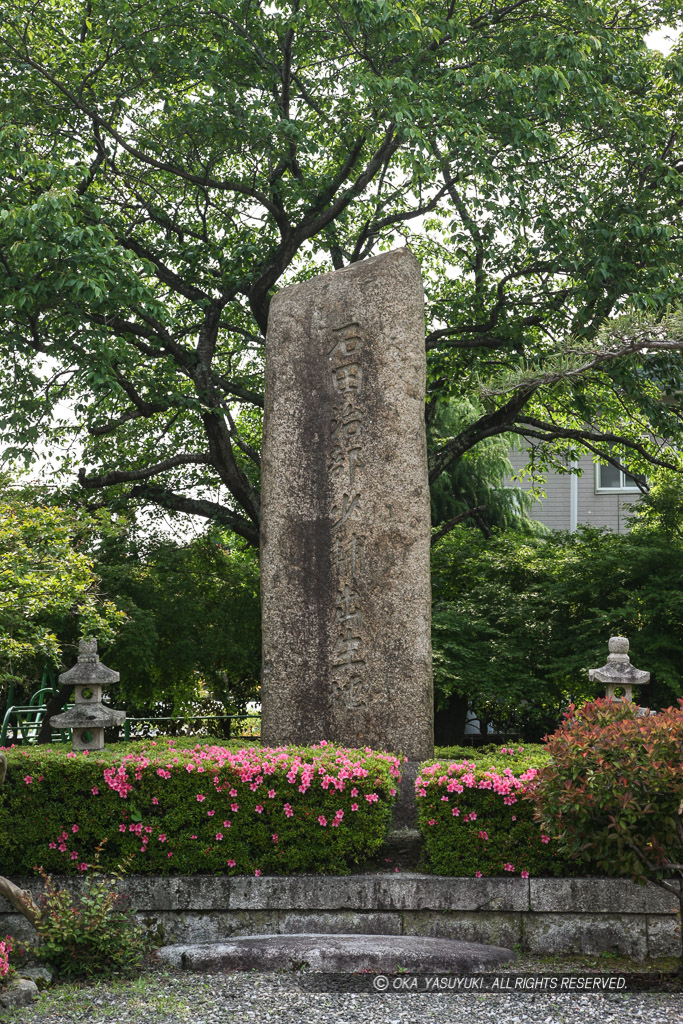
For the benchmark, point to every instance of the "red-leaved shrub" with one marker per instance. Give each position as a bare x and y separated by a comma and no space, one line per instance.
613,790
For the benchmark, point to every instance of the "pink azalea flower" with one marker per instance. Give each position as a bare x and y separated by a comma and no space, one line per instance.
257,872
354,807
525,874
322,820
259,808
478,874
154,800
231,863
211,813
545,839
219,836
200,798
28,780
74,828
95,791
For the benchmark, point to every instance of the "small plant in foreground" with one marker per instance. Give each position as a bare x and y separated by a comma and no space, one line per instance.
94,933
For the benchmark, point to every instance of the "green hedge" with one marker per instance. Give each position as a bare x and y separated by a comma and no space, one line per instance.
475,819
174,808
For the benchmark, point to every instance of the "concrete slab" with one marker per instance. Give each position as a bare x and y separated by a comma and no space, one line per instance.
338,953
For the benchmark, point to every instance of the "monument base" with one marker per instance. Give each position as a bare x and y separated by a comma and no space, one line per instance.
405,808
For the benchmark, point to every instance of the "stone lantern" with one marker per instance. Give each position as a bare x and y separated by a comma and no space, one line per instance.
619,673
88,716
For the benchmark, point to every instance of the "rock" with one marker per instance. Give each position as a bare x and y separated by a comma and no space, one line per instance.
338,954
346,522
19,992
38,973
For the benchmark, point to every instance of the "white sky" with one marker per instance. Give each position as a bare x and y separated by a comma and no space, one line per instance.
663,40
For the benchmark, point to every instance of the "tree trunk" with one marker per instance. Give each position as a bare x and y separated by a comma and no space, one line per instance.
20,900
53,707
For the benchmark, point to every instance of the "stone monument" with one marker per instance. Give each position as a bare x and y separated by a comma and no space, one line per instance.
346,520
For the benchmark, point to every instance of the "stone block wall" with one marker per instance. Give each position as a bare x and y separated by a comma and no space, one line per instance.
538,915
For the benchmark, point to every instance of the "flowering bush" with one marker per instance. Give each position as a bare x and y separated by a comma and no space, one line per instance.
187,810
6,969
474,820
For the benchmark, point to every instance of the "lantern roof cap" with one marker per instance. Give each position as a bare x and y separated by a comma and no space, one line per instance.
88,669
618,670
88,716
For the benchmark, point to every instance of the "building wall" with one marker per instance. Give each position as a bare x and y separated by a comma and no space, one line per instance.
593,508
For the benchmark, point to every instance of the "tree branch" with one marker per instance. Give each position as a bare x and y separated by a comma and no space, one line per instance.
498,422
447,527
157,495
122,476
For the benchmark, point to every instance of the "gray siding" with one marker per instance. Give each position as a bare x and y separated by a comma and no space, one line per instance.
594,509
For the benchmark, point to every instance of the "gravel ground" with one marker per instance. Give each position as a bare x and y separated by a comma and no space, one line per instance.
167,997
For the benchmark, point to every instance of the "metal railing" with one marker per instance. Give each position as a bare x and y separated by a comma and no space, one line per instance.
186,718
25,720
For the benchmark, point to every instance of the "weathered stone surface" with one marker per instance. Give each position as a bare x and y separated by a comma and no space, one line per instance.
402,849
202,892
173,926
346,528
586,933
333,953
590,915
498,929
598,895
663,935
17,926
404,891
404,812
341,922
157,893
19,992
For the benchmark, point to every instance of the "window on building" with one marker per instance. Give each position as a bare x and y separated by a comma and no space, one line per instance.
609,478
